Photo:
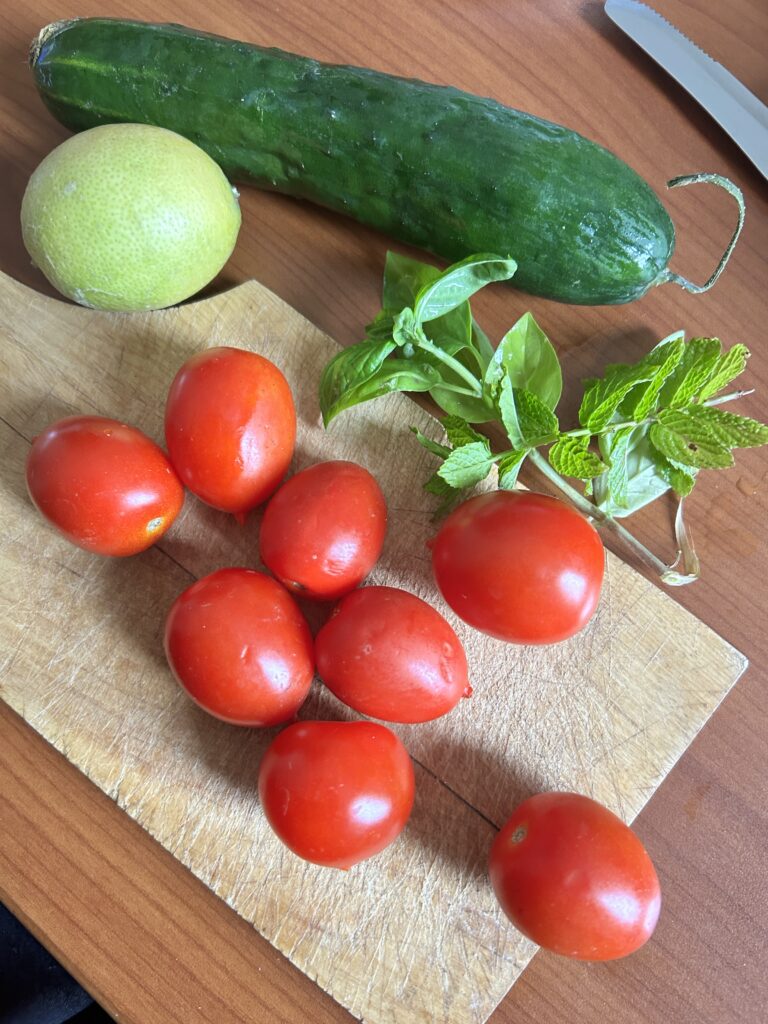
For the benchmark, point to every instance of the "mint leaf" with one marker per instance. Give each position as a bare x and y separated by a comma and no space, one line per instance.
603,396
467,465
442,489
680,478
537,423
509,468
458,283
694,370
442,451
528,358
689,442
349,367
726,368
459,432
665,357
571,457
723,428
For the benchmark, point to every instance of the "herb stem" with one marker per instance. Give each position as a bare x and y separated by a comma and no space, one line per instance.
730,397
586,432
667,573
424,343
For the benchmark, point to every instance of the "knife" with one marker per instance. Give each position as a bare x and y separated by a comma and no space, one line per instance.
738,111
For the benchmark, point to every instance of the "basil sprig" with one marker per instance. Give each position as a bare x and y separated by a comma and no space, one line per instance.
643,430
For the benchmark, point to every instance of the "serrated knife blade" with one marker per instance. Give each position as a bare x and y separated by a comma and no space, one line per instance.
738,111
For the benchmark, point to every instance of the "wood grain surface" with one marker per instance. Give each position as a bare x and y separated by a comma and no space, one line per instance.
415,935
107,899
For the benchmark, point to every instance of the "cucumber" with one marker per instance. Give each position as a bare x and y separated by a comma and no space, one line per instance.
432,166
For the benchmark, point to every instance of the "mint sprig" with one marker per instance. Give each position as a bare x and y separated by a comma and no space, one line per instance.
644,429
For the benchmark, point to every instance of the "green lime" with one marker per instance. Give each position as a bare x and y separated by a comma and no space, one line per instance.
129,217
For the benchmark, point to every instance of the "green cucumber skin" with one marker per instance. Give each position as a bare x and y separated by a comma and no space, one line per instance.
432,166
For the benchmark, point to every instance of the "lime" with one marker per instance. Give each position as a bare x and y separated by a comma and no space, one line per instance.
129,217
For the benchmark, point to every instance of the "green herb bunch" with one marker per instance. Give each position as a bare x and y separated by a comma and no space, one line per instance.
643,429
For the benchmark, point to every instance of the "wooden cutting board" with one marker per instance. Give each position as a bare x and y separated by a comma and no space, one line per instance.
415,934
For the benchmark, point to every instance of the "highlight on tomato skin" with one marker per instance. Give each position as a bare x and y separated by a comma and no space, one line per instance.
336,793
520,566
390,655
238,644
103,484
323,529
574,878
230,428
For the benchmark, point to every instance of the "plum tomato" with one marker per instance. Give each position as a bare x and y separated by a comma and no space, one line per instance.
574,878
388,654
240,647
520,566
323,530
230,428
336,792
104,485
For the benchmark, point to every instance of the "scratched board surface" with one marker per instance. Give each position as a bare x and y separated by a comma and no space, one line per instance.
415,934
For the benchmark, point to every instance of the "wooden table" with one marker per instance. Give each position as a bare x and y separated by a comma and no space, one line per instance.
145,937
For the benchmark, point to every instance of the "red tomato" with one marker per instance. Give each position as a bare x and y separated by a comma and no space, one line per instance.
336,792
240,647
520,566
574,878
230,427
388,654
106,486
323,530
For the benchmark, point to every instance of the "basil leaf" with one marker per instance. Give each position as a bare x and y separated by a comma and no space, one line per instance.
644,482
452,332
695,369
480,345
571,457
508,413
450,395
527,357
723,428
509,468
688,441
349,367
393,375
458,283
405,329
726,368
467,465
382,325
441,450
403,280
